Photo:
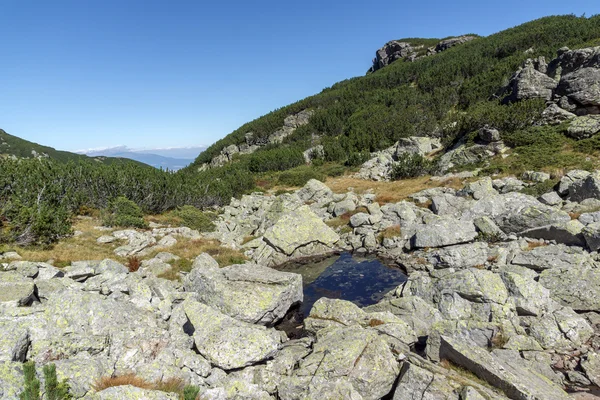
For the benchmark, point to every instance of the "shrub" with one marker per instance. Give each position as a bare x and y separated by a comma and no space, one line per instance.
190,392
411,166
540,188
125,213
55,390
32,384
194,218
356,159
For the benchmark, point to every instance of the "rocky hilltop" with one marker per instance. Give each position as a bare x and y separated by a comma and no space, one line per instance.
502,284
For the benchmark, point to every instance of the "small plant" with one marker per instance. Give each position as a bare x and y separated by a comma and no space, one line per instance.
411,166
124,213
55,390
190,392
133,264
375,322
32,384
390,232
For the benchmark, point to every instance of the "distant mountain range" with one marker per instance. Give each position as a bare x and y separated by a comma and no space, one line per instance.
173,158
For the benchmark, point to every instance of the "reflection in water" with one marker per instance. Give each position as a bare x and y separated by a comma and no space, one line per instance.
361,281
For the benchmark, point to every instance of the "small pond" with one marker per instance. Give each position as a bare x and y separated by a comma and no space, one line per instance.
363,281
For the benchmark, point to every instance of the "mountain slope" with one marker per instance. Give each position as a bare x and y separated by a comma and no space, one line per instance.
447,95
14,146
172,159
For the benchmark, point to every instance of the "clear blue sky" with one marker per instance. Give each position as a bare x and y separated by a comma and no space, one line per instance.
81,74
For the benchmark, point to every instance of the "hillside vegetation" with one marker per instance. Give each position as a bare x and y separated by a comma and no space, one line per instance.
449,94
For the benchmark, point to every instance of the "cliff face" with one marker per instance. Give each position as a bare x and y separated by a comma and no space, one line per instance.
405,50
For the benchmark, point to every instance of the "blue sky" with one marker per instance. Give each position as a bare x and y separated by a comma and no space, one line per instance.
98,73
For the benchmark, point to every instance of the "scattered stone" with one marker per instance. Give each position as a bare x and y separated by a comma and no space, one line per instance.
443,232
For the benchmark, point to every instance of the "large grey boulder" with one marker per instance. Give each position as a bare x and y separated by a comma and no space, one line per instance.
586,188
315,191
515,379
16,289
419,383
529,83
299,233
247,292
443,232
417,145
356,355
552,256
591,366
459,256
591,234
568,232
569,179
226,342
516,212
584,127
575,286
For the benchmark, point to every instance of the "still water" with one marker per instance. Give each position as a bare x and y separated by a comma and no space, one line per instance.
363,281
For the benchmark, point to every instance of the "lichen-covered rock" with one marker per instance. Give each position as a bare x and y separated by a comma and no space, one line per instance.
574,286
131,393
443,232
584,127
591,366
315,191
227,342
529,83
355,354
459,256
16,289
552,256
418,383
515,380
247,292
586,188
566,232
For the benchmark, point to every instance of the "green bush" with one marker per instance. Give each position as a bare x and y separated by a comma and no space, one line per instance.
190,392
194,218
277,159
411,166
124,213
55,390
540,188
32,384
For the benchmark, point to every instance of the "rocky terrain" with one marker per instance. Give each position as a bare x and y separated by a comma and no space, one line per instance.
501,301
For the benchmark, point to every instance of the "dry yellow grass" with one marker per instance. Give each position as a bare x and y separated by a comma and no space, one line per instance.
76,248
85,247
388,192
122,380
391,232
171,385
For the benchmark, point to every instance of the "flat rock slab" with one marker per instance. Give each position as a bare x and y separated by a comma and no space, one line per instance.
226,342
443,232
15,289
248,292
299,228
515,380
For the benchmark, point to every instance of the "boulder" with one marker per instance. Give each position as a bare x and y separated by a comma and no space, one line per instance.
554,115
298,229
551,199
15,289
417,145
591,234
574,286
584,127
514,379
591,366
226,342
443,232
315,191
480,189
459,256
569,179
267,294
419,383
586,188
488,134
552,256
569,233
356,355
529,83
